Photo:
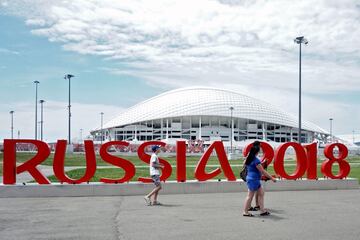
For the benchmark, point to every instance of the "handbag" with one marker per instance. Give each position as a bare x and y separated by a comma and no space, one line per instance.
243,173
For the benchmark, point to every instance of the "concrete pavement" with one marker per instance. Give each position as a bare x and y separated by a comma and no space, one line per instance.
332,214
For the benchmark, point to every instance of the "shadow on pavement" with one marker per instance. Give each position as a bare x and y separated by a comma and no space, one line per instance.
168,205
276,211
272,217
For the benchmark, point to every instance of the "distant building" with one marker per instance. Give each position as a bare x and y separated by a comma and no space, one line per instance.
204,113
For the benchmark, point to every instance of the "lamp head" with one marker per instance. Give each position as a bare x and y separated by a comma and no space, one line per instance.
300,40
68,76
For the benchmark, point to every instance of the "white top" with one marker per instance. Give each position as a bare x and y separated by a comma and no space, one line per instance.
154,159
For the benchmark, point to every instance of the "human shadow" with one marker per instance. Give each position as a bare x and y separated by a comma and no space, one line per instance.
272,217
168,205
276,211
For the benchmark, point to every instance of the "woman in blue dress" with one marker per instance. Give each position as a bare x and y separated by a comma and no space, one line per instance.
254,172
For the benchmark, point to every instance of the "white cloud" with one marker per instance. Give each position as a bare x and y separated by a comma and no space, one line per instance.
245,39
209,42
8,51
84,116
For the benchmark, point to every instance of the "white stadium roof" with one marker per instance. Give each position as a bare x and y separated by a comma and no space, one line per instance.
205,101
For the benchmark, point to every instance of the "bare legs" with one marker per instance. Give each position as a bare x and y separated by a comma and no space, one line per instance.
257,199
259,196
248,201
154,193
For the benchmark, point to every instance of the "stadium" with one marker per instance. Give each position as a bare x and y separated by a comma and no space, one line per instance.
206,114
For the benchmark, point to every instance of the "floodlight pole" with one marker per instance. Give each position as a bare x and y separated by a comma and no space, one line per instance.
331,135
12,124
353,132
69,76
101,131
36,102
42,119
81,138
300,40
231,133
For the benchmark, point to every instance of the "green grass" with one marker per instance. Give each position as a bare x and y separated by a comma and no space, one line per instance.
115,173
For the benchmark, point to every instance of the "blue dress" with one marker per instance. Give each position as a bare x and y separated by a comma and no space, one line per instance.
253,175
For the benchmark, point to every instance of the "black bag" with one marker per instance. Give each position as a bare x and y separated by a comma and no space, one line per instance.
243,173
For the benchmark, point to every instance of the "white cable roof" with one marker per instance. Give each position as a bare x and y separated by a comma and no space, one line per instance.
206,101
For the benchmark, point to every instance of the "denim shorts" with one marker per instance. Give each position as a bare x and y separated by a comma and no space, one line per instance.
156,180
253,185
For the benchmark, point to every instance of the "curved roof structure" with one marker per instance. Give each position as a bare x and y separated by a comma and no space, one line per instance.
205,101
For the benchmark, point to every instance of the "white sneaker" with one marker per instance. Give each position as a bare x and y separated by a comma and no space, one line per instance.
147,200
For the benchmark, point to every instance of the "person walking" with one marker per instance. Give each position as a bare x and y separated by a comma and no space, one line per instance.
263,178
155,165
254,172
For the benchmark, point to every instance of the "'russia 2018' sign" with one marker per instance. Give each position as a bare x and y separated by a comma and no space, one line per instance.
306,161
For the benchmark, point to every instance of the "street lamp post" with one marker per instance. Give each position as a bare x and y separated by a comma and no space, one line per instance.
69,76
331,136
81,138
12,124
353,132
232,125
101,131
42,119
36,102
300,40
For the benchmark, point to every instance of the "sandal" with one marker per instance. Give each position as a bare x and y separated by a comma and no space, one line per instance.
147,200
156,203
265,213
247,215
253,208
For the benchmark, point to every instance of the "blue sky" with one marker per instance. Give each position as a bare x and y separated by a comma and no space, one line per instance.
31,58
127,51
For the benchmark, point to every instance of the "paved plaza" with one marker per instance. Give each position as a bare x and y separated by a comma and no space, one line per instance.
294,215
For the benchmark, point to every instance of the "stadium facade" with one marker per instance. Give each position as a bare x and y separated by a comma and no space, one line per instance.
203,113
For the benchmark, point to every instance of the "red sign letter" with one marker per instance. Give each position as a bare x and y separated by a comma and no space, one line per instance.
344,167
10,169
200,173
181,161
268,152
59,160
128,167
300,160
167,170
311,155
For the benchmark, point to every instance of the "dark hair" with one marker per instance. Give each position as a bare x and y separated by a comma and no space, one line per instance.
256,143
253,151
